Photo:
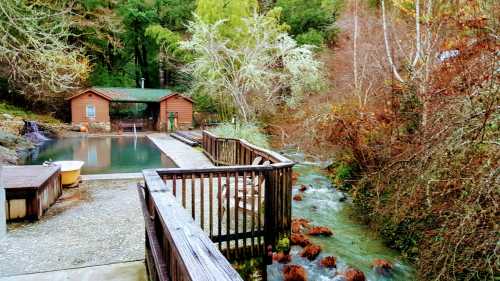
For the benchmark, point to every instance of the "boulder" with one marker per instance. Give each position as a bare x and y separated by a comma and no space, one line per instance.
294,272
7,156
303,188
310,252
282,257
382,267
298,224
329,262
299,239
7,116
353,274
297,197
320,230
8,140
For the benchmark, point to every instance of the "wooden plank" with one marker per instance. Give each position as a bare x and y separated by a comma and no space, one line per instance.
219,207
193,192
211,202
236,215
183,190
253,215
158,259
202,201
174,185
228,213
245,210
13,177
259,207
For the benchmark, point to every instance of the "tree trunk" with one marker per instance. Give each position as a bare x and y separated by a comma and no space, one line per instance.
386,43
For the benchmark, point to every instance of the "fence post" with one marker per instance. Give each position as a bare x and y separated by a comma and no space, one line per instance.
270,229
3,214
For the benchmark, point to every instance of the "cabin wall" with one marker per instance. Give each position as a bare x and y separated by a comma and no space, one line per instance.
79,114
183,109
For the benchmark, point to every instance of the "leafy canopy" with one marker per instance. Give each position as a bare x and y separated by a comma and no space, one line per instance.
310,19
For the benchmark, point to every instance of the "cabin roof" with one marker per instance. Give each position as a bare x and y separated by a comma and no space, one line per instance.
117,94
134,94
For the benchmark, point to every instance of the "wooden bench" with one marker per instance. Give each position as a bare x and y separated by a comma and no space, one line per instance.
30,190
139,125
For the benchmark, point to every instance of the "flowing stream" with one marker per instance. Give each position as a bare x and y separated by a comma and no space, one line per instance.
353,244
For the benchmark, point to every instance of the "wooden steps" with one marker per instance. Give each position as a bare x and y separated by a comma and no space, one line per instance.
184,138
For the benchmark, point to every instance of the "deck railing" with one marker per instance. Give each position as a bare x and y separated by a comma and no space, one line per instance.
195,217
278,180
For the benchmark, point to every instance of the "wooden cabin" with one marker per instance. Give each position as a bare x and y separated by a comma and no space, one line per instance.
166,109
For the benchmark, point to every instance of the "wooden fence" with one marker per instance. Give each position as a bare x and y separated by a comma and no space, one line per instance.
195,217
278,179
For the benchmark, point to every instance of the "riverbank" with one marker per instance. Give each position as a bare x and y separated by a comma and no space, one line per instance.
353,245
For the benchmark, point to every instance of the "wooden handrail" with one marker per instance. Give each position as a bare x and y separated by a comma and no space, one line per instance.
189,252
202,216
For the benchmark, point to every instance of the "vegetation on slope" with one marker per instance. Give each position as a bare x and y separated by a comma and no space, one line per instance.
419,153
247,131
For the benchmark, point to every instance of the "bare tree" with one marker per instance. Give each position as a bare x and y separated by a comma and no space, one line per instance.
266,65
34,51
424,52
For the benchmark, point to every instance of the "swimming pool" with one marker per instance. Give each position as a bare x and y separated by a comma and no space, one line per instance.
103,155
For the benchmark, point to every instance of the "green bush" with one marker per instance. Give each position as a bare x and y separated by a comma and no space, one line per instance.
310,19
249,269
312,37
204,103
343,173
283,245
248,131
26,114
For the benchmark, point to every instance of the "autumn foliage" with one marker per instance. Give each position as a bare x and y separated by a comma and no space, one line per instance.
421,158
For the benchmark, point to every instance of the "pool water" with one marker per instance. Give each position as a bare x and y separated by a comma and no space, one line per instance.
102,155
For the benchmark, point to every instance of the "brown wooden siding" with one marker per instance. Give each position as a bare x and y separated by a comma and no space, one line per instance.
181,106
79,104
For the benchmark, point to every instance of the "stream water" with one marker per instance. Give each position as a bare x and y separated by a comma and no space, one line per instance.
353,244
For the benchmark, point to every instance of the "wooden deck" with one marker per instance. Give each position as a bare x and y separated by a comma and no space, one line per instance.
30,190
193,226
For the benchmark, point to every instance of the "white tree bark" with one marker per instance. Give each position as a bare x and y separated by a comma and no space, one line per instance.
386,43
418,45
355,47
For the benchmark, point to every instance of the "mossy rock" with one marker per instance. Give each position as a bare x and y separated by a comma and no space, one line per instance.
7,156
11,141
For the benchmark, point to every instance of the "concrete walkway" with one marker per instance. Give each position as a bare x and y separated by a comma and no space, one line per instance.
127,271
183,155
96,224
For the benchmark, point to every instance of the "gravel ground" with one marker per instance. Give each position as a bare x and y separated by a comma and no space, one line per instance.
98,223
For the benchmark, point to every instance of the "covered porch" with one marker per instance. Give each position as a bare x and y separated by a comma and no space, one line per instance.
126,109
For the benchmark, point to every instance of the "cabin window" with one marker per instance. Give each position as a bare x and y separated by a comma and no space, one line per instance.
90,111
